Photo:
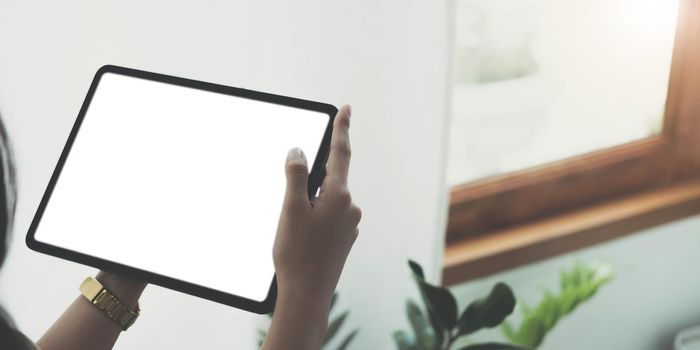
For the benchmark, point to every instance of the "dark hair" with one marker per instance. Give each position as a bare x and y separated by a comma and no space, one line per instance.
10,338
8,191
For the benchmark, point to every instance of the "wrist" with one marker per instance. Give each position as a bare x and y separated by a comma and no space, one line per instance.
128,290
300,320
296,287
312,304
293,306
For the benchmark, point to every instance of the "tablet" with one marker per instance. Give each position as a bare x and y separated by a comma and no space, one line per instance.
179,183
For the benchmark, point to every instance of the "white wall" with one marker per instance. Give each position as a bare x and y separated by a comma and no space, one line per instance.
654,293
386,58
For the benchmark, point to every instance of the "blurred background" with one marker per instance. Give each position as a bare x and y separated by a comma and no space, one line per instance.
549,145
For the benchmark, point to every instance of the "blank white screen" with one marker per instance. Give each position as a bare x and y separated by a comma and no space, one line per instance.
180,182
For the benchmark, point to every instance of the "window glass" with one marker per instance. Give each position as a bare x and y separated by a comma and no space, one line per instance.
537,81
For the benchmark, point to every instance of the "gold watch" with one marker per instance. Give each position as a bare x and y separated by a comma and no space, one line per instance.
108,303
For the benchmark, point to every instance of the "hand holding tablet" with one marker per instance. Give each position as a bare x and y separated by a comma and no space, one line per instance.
315,237
313,241
179,183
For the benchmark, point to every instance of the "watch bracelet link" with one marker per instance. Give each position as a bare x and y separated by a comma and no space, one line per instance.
109,304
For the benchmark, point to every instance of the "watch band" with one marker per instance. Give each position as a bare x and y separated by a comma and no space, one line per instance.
108,303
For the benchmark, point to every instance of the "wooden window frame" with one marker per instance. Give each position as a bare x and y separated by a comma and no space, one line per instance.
509,205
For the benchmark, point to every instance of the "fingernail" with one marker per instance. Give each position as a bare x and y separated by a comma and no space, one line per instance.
349,109
296,154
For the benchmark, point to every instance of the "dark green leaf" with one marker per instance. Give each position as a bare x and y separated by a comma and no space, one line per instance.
488,312
417,269
438,327
493,346
346,342
402,342
261,337
333,300
424,334
441,305
334,326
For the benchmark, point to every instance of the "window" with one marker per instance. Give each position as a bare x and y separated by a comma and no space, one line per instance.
564,106
543,80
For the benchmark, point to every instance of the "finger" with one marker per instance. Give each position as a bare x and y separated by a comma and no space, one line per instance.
297,177
322,187
339,158
355,214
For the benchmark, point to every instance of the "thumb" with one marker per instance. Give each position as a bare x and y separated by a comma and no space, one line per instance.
297,177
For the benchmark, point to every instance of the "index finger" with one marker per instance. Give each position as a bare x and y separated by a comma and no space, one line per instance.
339,158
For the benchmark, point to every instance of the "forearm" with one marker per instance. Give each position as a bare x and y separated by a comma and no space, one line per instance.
299,322
82,326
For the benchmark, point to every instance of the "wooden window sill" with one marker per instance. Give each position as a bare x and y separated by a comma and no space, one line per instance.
500,250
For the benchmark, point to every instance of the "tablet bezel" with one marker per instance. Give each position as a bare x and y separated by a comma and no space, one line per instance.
315,178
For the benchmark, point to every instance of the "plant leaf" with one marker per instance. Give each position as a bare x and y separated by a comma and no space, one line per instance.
438,328
487,312
334,326
564,280
531,332
525,309
423,332
261,337
441,304
508,330
493,346
333,300
402,342
550,312
348,339
578,285
416,268
568,300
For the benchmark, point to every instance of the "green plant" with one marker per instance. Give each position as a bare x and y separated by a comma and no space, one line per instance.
333,329
442,328
577,286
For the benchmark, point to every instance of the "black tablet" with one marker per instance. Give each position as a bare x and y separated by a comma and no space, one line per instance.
179,183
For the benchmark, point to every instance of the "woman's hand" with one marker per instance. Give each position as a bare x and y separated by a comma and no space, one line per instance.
315,237
312,244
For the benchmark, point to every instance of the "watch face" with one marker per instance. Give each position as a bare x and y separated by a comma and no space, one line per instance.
90,288
179,183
